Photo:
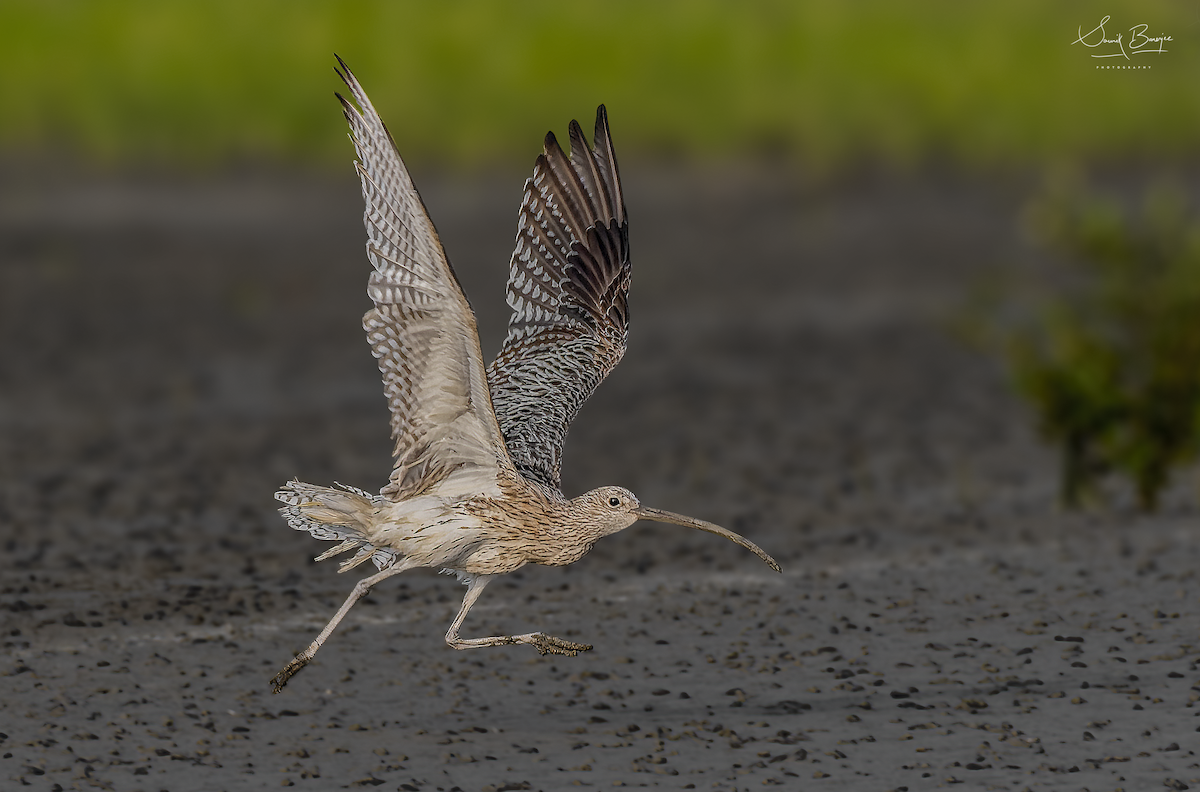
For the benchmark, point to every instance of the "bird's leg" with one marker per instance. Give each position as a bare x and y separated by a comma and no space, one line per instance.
545,644
360,590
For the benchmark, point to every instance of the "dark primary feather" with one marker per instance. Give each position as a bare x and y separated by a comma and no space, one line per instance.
421,330
568,287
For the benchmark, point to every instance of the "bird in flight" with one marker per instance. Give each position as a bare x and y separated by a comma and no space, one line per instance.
475,489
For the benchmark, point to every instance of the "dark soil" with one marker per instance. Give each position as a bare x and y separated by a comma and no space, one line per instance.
173,350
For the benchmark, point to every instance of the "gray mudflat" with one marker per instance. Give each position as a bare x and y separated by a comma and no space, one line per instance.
173,351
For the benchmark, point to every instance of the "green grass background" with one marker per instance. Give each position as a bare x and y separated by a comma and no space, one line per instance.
467,82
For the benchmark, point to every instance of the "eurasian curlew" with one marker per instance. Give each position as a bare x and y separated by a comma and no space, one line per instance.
475,489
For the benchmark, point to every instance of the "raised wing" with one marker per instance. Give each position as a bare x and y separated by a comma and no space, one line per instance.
568,287
421,330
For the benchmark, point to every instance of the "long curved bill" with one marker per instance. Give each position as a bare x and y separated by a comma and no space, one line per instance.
658,515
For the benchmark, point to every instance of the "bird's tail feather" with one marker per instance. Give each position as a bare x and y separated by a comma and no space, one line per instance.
340,515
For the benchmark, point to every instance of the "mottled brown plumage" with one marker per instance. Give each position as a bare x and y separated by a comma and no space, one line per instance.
475,488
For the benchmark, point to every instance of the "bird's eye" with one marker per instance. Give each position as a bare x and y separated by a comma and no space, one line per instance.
614,501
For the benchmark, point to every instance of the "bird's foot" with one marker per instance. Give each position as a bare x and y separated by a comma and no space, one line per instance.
548,644
288,671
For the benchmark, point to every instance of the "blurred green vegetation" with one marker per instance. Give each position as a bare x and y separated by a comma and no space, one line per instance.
1112,362
467,82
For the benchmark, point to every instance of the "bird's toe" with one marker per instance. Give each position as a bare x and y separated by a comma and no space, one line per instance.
548,644
287,672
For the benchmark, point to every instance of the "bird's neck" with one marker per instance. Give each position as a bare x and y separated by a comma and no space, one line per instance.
567,534
557,530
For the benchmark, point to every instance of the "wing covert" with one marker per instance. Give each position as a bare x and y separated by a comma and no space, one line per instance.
568,288
422,330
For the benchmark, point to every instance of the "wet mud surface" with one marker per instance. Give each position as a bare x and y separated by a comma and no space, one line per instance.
173,351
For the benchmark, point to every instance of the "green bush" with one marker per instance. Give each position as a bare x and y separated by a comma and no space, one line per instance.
1111,363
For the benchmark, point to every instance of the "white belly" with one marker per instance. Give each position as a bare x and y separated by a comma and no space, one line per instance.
428,531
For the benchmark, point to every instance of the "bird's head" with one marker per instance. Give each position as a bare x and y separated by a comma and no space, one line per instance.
611,509
615,508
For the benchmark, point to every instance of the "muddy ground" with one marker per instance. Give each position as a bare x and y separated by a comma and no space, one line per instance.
173,349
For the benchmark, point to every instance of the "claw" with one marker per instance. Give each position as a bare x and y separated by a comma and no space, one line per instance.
548,644
287,672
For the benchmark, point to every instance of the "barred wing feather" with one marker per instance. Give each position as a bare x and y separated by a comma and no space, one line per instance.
421,330
568,288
